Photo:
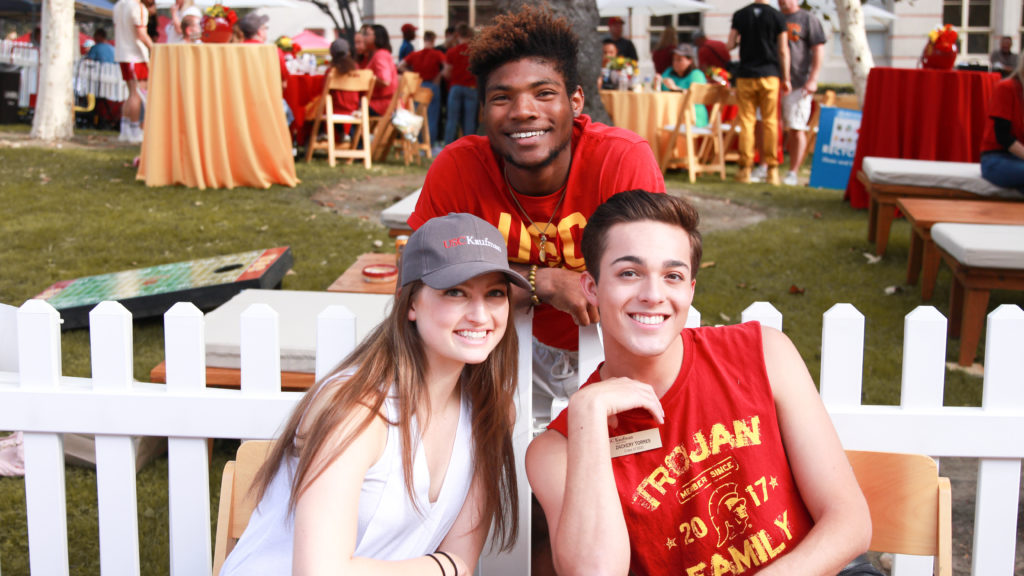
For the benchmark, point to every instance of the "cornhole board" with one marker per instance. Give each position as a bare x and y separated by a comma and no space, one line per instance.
147,292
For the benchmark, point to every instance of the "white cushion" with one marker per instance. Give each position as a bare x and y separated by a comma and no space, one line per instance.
297,313
397,215
964,176
982,245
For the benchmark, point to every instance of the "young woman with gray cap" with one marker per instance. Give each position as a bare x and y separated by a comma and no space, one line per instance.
399,461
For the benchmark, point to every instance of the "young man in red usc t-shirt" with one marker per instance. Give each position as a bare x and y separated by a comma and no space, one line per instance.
538,173
689,451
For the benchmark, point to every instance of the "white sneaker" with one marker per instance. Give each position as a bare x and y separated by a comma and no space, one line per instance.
136,133
791,179
759,173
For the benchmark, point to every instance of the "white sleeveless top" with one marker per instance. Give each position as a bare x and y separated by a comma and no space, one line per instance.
390,527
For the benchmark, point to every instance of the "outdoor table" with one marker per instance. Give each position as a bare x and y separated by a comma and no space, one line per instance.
923,213
921,115
214,118
300,91
643,112
352,279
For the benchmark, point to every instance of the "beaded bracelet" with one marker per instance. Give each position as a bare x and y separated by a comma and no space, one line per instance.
532,277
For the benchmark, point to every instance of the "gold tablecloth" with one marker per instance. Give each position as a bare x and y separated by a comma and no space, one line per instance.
214,118
643,112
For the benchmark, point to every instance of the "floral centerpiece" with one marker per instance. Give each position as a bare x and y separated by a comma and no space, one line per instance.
288,46
620,71
218,21
718,75
941,51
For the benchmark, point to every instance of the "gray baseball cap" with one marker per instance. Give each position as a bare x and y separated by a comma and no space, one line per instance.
448,250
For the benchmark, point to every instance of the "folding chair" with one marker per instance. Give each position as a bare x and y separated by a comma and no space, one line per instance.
711,157
360,81
910,505
383,131
236,501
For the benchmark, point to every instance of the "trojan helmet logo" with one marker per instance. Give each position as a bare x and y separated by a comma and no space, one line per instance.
728,512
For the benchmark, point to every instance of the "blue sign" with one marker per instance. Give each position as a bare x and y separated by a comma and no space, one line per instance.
835,148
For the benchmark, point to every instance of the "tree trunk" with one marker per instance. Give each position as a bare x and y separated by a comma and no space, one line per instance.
54,118
854,40
582,15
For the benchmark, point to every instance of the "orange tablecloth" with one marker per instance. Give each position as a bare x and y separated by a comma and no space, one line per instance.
642,112
921,115
214,118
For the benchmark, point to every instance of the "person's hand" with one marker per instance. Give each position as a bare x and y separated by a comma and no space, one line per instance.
561,288
811,87
786,87
614,396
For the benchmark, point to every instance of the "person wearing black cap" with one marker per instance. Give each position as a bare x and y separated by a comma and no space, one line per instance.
400,459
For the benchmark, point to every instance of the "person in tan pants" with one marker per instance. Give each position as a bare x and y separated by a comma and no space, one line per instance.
760,32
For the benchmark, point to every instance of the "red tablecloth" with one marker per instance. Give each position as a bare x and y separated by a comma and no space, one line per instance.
301,90
922,115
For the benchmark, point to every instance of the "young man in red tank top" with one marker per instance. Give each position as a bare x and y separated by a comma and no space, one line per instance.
690,451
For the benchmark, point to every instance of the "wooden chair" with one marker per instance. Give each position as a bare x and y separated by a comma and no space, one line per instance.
711,157
360,81
910,504
383,130
236,501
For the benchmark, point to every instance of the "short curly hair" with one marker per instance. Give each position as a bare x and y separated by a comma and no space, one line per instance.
529,33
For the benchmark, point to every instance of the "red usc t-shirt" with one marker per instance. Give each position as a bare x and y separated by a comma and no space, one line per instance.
1006,104
427,63
466,177
718,497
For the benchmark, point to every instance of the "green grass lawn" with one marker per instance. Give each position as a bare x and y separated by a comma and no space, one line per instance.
77,211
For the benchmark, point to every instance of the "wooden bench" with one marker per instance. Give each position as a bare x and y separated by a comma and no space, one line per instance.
983,257
923,213
889,179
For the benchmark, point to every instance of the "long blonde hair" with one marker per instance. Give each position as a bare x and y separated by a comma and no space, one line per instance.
393,356
668,39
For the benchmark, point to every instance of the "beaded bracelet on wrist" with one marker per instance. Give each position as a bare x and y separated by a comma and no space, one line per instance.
532,278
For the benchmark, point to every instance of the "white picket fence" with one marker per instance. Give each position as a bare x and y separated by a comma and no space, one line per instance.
37,399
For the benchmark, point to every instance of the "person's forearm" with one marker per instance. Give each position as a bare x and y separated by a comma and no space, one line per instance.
784,57
592,536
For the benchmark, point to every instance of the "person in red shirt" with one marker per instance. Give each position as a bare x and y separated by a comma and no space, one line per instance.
711,53
661,56
689,450
428,63
538,173
462,97
1002,146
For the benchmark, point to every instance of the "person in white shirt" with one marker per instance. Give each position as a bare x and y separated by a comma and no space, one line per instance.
131,50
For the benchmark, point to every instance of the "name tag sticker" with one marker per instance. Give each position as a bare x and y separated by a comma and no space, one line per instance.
636,442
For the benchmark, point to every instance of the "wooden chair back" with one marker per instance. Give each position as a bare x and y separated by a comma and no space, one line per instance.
237,500
711,156
360,82
383,130
826,99
910,504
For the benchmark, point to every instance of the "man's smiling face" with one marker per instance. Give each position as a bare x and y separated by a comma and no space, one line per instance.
528,113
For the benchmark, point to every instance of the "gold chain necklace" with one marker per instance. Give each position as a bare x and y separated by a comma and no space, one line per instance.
542,233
